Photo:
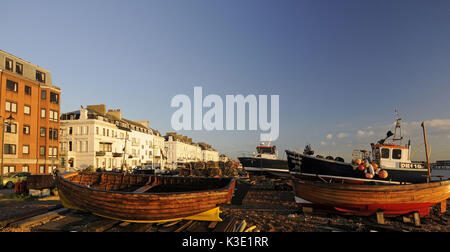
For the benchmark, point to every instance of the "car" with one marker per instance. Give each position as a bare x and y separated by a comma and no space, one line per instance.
12,179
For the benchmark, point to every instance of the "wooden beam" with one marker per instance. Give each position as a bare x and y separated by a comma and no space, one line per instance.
143,189
380,217
39,218
444,206
417,219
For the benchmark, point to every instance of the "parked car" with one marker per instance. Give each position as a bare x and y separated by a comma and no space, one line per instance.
12,179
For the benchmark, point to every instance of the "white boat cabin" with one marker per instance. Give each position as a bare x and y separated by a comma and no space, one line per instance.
392,156
266,151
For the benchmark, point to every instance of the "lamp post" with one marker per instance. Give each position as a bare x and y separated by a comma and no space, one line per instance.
10,118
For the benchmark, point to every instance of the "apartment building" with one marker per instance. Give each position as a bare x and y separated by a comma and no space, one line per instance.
29,112
94,137
181,149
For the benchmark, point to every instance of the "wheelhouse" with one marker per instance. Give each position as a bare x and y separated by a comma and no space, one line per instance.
391,155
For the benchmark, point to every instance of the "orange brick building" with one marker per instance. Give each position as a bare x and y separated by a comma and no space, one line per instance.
31,138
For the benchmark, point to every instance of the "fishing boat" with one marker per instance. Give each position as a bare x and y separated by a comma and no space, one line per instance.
265,161
144,198
365,200
365,196
387,161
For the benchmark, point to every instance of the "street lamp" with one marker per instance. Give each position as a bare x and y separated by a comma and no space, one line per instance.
10,118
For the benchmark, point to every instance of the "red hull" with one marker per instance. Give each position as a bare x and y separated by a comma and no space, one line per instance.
367,210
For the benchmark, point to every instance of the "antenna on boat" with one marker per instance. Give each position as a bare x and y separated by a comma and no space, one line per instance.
398,127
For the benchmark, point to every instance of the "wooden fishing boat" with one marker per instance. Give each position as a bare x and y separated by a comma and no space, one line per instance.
359,196
142,198
365,200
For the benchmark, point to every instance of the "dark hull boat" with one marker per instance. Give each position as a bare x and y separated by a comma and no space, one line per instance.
265,161
307,165
143,198
264,165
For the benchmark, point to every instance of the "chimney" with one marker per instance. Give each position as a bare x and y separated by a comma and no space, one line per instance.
116,113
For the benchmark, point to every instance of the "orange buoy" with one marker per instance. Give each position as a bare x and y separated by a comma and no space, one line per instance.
369,176
361,167
375,166
383,174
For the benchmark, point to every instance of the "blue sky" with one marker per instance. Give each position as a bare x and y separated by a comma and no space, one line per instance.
341,68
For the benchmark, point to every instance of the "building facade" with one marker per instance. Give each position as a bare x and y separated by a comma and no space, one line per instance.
29,111
96,138
181,149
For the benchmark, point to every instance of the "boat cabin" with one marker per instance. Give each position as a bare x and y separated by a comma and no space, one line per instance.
391,155
264,151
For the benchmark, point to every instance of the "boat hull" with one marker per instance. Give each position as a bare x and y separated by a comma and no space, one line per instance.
112,195
365,200
264,165
318,166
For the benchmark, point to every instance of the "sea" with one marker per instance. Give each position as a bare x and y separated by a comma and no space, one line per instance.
444,173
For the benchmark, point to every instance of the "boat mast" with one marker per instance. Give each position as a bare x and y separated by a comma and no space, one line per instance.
426,150
398,126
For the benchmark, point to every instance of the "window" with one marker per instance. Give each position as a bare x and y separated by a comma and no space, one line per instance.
11,128
43,94
43,130
26,109
10,149
25,149
40,76
55,134
11,107
42,150
26,129
70,145
54,98
384,153
11,85
52,152
27,90
42,169
25,168
396,154
19,68
8,169
43,113
9,64
70,130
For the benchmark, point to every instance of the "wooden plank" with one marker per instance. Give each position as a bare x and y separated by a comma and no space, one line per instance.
62,225
137,227
144,188
184,226
417,219
443,206
224,225
101,225
212,224
380,217
39,218
4,223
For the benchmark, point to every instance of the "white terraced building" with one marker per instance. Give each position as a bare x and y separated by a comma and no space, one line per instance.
181,149
95,138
